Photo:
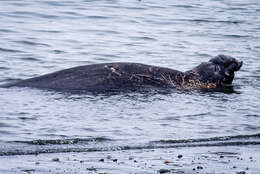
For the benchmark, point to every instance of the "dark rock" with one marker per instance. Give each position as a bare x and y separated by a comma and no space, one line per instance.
241,172
56,159
101,160
164,171
92,169
199,167
180,156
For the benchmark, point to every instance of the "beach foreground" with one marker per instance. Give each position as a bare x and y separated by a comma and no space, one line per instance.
231,159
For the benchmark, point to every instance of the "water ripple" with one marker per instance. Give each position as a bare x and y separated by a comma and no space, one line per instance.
10,50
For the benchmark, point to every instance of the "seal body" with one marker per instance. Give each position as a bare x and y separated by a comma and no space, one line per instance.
106,77
122,76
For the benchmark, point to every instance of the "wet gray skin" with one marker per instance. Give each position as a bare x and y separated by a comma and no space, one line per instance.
122,76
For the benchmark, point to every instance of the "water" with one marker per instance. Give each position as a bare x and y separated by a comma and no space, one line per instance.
38,37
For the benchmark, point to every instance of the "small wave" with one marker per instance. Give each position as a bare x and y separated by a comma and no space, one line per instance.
64,141
31,59
27,14
184,6
212,21
236,35
47,31
224,138
32,43
4,68
239,140
98,17
9,50
119,148
145,38
7,31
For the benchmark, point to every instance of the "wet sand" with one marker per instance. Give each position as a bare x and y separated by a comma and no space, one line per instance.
217,160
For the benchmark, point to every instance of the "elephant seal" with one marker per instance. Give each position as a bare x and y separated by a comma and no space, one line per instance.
123,76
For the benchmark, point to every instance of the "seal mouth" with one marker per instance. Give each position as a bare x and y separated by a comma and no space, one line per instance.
229,72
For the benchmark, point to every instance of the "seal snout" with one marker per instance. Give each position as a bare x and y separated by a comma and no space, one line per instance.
239,65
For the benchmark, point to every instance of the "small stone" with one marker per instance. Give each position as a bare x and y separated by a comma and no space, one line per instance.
250,157
101,160
135,161
221,156
193,169
234,167
29,170
179,156
56,159
81,161
241,172
199,167
114,160
167,162
109,156
164,171
92,169
130,158
37,163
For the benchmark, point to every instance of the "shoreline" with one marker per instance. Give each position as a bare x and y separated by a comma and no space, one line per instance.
228,159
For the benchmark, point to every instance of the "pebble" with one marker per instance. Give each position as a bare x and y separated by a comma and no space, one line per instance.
92,169
130,158
199,167
37,163
101,160
56,159
221,156
114,160
179,156
167,162
109,156
164,171
241,172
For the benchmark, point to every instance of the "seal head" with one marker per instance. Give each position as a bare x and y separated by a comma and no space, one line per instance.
218,71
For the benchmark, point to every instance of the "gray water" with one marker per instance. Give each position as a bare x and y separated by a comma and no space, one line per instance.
38,37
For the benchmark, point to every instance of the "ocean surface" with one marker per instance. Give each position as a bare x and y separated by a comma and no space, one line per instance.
38,37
